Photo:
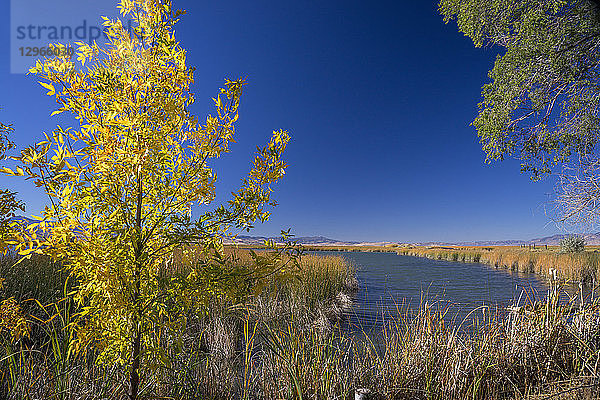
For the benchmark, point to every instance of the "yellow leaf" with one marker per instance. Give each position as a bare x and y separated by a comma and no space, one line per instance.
50,88
81,57
25,252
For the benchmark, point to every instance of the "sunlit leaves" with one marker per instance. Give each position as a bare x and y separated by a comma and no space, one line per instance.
12,319
50,88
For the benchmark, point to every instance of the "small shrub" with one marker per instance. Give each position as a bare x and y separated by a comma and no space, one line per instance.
572,244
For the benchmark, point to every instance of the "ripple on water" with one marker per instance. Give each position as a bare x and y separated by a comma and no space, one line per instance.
390,282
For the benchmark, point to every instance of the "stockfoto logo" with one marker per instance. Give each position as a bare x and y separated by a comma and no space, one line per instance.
37,24
83,32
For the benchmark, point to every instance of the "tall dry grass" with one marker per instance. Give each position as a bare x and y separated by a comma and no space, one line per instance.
538,349
578,267
217,346
288,343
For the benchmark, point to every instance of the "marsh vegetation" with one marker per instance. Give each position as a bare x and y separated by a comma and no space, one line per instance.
289,340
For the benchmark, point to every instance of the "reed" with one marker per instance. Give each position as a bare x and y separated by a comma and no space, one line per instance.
578,267
512,355
219,348
289,342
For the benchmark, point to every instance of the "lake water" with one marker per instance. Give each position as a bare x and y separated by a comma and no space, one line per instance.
388,281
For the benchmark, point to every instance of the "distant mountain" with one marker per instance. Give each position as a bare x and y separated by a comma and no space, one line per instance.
590,239
305,240
554,240
23,220
475,243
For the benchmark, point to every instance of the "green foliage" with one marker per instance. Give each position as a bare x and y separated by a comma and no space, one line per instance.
121,188
572,244
541,104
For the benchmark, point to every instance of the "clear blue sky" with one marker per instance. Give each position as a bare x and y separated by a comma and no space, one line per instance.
378,97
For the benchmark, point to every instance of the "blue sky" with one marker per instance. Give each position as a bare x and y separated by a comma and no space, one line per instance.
378,98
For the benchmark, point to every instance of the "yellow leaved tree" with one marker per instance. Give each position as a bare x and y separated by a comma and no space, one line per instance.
121,186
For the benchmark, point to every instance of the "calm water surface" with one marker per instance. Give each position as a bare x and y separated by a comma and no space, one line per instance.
388,280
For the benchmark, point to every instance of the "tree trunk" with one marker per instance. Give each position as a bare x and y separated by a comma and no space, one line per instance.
134,378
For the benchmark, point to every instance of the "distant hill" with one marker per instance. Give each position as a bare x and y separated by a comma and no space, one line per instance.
23,220
306,240
476,243
592,239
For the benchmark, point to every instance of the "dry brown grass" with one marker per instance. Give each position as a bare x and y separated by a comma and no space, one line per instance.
215,352
286,343
579,267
